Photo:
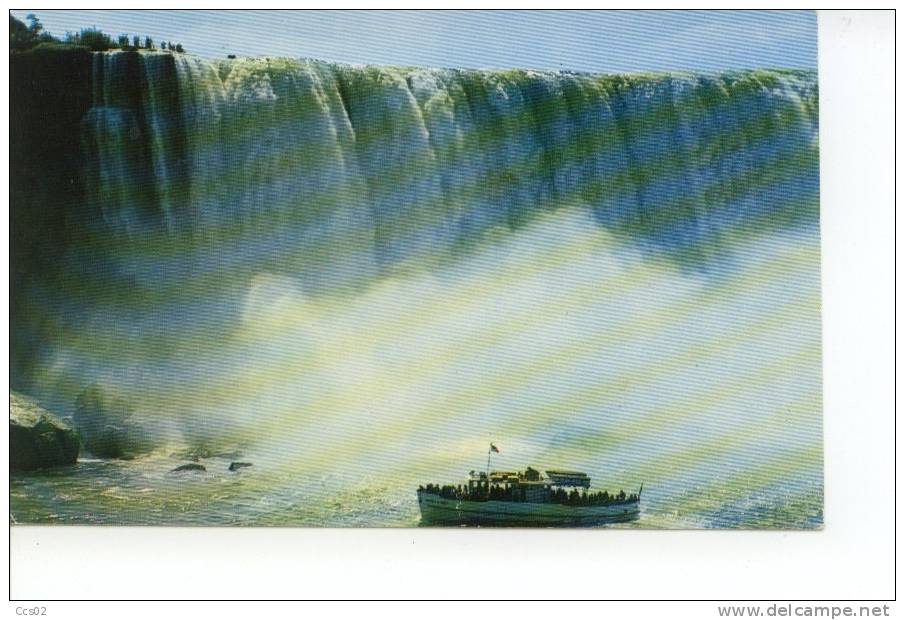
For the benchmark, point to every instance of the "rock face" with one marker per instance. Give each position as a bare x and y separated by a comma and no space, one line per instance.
107,426
50,93
37,438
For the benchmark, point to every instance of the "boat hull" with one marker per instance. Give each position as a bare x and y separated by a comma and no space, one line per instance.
436,510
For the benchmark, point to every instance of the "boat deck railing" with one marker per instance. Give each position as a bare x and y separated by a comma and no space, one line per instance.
512,493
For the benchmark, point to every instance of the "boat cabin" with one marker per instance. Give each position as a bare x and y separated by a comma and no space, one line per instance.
569,478
528,485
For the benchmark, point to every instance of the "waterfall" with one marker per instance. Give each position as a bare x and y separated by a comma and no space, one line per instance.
267,242
357,276
341,173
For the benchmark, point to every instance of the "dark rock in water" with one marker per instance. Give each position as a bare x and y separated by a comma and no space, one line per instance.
191,467
37,438
235,466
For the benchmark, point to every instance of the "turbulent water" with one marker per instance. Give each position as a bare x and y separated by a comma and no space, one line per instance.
358,277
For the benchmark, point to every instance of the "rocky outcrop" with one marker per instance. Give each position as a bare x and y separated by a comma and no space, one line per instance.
37,438
107,426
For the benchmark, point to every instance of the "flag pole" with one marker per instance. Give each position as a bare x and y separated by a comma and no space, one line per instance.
489,450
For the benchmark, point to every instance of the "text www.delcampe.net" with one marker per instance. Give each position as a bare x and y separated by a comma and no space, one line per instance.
788,610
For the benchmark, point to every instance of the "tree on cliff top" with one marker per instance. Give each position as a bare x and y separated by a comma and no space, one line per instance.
95,40
34,24
19,36
22,37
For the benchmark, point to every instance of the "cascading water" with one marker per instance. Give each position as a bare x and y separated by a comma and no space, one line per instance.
371,166
340,268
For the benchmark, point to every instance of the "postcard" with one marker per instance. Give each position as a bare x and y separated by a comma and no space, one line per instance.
299,277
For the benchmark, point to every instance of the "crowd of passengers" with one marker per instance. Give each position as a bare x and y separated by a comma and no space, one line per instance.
516,494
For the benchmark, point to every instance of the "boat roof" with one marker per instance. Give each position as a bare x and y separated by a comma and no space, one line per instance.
555,477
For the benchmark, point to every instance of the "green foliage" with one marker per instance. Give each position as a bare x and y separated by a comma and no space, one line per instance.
19,36
24,37
95,40
55,46
172,47
34,24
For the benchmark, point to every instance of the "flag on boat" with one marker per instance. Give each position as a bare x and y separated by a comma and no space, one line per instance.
493,448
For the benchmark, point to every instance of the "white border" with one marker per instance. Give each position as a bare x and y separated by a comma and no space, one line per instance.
852,558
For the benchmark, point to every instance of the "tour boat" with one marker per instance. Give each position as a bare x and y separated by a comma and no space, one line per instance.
561,498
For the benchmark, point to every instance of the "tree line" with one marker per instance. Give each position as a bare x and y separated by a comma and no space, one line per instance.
23,37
